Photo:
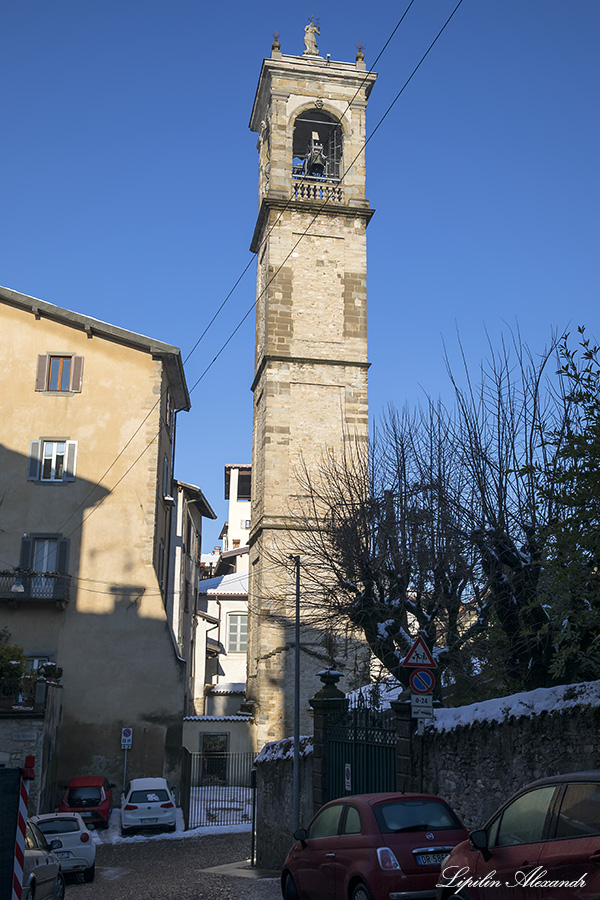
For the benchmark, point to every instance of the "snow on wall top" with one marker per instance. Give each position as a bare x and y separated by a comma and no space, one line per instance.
241,717
531,703
284,749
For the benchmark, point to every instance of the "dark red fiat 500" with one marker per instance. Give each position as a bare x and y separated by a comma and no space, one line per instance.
372,847
542,844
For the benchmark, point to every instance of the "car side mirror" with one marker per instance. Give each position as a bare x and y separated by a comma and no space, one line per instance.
56,844
300,835
479,841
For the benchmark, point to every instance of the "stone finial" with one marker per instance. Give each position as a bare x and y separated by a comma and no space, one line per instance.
310,41
330,677
360,56
275,46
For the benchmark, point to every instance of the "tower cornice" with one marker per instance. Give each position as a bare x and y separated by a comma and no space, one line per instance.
313,70
309,206
304,361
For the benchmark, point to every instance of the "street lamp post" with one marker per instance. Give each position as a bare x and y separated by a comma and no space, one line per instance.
296,776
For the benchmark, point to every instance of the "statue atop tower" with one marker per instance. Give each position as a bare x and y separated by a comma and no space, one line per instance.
310,41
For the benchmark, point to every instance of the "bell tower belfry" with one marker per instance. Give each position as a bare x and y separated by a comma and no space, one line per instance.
310,380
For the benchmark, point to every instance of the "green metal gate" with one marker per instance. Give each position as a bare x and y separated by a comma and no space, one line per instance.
361,752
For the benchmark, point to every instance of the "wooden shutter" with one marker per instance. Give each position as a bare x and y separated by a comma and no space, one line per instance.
76,373
26,550
41,375
70,460
35,455
63,555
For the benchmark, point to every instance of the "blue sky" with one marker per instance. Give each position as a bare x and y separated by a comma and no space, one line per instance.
129,181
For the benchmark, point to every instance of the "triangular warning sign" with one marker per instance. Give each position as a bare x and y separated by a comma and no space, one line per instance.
419,656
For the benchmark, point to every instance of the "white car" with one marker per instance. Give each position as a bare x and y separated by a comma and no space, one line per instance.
42,877
78,851
148,803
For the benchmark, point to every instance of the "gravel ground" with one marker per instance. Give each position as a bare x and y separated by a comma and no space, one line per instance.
173,870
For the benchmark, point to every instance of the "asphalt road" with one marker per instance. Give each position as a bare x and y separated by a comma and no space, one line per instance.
175,870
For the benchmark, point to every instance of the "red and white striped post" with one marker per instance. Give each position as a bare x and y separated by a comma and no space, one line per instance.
26,776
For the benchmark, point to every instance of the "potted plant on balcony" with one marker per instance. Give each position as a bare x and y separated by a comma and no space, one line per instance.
13,667
51,672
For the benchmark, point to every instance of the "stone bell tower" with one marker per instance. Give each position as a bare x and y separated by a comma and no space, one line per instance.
310,381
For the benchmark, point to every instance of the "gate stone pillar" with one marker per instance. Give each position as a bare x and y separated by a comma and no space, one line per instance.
406,776
327,702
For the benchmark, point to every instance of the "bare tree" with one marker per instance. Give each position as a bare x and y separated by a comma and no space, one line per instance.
440,527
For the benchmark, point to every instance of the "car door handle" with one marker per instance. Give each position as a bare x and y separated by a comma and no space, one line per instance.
330,856
595,858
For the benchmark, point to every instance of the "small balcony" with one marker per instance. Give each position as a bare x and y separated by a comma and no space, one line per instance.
318,191
38,587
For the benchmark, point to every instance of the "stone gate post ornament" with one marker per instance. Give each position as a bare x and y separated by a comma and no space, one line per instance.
310,41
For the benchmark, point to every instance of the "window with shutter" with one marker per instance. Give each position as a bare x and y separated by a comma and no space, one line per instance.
52,461
43,558
59,373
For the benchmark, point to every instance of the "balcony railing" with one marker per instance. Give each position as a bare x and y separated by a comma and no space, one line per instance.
318,191
35,586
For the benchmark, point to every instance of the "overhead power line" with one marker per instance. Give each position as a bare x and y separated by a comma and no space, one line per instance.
232,334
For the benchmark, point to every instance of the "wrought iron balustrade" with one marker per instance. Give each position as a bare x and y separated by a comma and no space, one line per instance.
39,586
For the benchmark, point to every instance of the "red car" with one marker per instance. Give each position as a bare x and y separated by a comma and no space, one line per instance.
91,797
542,844
371,847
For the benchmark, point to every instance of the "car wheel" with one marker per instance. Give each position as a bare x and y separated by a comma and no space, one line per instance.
88,874
361,892
290,891
59,889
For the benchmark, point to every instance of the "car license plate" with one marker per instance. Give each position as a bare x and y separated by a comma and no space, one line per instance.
63,855
85,815
431,859
149,821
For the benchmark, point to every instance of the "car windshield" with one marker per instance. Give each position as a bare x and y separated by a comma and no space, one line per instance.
158,795
58,826
85,796
414,815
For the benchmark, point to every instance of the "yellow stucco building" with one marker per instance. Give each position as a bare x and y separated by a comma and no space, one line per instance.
87,414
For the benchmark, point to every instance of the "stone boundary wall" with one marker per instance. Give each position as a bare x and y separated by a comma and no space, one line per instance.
25,731
274,792
477,766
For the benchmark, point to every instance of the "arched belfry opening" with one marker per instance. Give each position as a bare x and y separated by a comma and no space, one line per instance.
317,147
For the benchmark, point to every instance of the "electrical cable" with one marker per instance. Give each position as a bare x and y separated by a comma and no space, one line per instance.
322,206
228,296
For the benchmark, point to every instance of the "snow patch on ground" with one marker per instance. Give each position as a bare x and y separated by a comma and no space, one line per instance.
112,835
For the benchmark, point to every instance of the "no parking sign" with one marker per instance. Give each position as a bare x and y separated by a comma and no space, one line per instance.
422,681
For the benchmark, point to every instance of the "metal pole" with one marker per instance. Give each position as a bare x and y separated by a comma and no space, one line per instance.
125,770
253,839
296,781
